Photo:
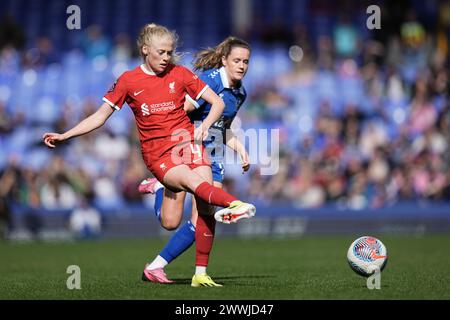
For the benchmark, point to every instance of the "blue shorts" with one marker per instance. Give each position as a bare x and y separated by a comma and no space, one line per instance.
217,166
218,171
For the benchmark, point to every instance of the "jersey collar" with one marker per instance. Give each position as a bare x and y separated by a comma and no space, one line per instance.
144,69
224,78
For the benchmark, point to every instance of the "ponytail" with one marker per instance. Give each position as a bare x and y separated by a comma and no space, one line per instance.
212,57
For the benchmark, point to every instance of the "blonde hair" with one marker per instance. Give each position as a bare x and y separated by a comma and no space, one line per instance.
151,30
212,57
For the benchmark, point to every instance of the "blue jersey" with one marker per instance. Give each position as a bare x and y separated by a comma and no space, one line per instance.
217,80
233,98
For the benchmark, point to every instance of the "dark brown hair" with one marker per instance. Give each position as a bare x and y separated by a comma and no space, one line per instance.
212,57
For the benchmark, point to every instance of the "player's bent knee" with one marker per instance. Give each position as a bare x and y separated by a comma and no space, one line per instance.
170,224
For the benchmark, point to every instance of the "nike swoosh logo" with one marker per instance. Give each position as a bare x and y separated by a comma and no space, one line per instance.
375,256
207,235
139,92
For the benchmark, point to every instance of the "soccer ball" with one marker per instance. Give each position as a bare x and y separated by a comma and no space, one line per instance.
366,254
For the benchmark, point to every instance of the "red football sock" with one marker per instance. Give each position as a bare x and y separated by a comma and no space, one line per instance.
213,195
204,238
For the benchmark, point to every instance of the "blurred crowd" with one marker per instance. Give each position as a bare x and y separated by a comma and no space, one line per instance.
364,120
380,136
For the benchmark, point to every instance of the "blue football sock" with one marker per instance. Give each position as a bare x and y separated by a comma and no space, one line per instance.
159,196
183,238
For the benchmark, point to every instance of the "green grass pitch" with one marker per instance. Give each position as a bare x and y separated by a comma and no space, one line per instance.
312,267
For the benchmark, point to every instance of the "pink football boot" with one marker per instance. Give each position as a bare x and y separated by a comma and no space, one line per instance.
148,185
156,276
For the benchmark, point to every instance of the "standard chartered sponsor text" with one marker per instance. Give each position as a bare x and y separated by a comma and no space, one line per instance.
163,106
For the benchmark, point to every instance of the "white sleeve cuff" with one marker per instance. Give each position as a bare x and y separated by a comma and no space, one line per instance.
201,92
195,103
112,105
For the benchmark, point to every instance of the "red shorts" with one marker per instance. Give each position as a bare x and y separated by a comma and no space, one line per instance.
190,154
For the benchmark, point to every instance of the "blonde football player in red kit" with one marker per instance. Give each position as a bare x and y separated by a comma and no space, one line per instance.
171,146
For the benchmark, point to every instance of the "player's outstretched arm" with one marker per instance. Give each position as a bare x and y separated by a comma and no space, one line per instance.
217,106
94,121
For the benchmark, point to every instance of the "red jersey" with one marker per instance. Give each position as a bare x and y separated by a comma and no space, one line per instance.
157,103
